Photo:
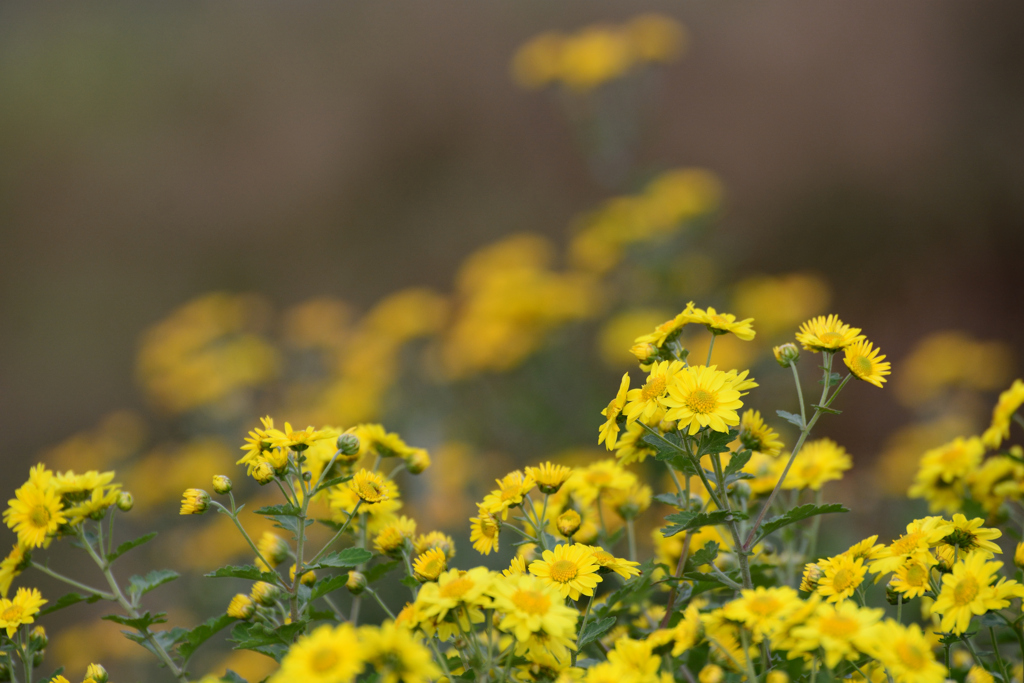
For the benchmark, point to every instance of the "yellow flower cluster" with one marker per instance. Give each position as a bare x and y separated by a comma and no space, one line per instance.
597,54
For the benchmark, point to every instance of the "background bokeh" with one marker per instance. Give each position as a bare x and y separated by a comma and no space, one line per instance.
151,155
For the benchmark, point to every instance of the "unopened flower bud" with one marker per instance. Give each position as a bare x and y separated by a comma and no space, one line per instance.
417,460
643,352
125,501
97,673
241,607
263,473
37,639
194,502
348,444
356,583
265,593
221,484
568,523
786,354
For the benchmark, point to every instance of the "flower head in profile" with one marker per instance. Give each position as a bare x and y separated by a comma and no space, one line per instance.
571,569
34,514
723,323
703,397
330,654
827,334
865,363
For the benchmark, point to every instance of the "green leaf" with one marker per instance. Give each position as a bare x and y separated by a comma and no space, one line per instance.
140,585
826,409
713,443
245,572
327,585
128,545
595,630
285,509
140,623
349,557
333,482
705,555
791,418
68,600
736,462
378,571
200,634
688,521
797,514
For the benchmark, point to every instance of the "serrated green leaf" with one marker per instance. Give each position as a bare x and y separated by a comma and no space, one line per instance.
244,572
327,585
595,630
200,634
140,585
792,418
688,521
797,514
128,545
284,509
141,623
349,557
68,600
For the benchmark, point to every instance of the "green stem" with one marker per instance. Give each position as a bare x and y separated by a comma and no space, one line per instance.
72,582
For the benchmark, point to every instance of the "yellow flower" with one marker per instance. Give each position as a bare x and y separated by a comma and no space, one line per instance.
609,563
483,532
841,576
369,486
912,577
865,363
435,539
907,653
841,630
967,591
762,610
644,403
970,536
723,323
758,436
241,606
550,477
330,654
827,334
20,610
390,539
817,462
528,606
1009,401
609,432
194,502
395,654
511,490
12,566
429,565
570,568
703,397
34,514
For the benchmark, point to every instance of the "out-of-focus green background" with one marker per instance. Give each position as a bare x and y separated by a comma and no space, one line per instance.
152,154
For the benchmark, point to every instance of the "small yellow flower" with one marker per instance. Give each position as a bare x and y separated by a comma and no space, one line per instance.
194,502
369,486
429,565
865,363
570,568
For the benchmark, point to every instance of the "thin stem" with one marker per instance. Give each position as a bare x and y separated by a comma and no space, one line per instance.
799,392
71,582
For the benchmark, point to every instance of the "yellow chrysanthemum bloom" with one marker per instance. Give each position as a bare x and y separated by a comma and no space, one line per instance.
842,631
395,654
758,436
241,606
912,578
865,363
550,477
20,610
762,610
609,563
194,502
827,334
1006,408
703,397
723,323
429,565
907,653
371,487
817,462
528,605
970,536
967,591
34,514
609,432
330,654
435,539
645,402
483,532
570,568
12,566
841,576
390,539
511,490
